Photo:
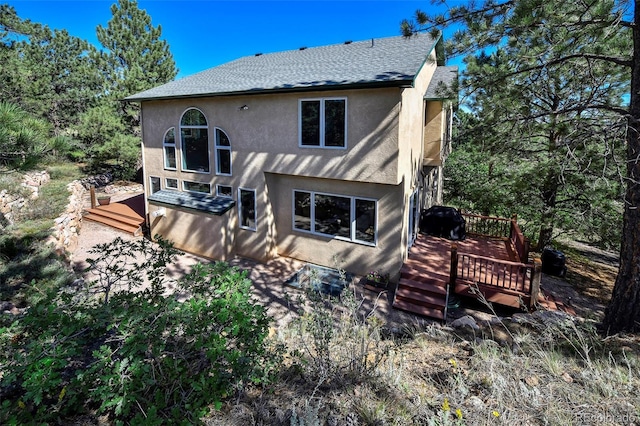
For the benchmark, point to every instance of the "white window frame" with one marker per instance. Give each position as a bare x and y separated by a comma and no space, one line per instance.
255,213
352,213
182,159
166,184
322,122
218,194
151,191
195,192
219,148
166,145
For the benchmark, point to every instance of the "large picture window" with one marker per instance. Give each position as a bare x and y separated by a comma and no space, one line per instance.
223,153
169,148
194,134
323,123
247,208
349,218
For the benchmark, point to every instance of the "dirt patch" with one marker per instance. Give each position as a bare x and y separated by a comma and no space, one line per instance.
588,283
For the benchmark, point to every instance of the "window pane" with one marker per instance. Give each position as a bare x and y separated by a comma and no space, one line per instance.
310,123
195,150
365,221
170,136
170,157
196,187
333,215
224,191
221,138
171,183
334,117
302,210
224,161
247,209
193,117
155,184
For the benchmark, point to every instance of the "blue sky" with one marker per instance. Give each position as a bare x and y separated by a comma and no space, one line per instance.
206,33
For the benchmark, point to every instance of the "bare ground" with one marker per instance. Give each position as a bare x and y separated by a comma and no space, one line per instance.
586,287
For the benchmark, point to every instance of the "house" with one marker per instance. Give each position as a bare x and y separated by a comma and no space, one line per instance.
322,154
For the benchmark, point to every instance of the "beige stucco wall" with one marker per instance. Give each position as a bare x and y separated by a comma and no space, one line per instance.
196,232
382,159
354,257
265,136
433,131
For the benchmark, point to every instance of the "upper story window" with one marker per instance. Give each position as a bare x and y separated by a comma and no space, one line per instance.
169,147
323,123
223,153
194,134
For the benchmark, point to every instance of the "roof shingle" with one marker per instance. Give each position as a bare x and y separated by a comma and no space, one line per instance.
442,82
389,61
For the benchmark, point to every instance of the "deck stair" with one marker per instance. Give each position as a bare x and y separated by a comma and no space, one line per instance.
421,293
116,215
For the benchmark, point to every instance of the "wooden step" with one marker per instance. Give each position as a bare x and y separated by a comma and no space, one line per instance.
437,313
420,298
415,272
135,230
117,215
497,295
425,285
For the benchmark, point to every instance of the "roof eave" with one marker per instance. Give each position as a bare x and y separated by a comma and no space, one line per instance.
366,85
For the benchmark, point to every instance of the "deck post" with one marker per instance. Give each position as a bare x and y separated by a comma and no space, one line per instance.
453,272
535,282
92,193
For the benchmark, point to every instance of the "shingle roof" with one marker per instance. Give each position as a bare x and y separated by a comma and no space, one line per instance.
389,61
201,202
443,80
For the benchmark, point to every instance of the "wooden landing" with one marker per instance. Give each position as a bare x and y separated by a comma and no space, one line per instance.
422,288
117,215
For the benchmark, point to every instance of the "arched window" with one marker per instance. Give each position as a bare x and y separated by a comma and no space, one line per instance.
223,153
194,134
169,147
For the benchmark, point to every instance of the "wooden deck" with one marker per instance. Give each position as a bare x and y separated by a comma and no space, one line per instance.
488,268
120,215
490,264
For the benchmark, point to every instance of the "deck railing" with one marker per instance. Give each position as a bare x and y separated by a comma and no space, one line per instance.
498,227
487,226
502,274
498,273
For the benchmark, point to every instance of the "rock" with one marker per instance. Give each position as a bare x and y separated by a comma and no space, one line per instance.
6,306
475,403
519,318
552,317
465,321
567,378
532,381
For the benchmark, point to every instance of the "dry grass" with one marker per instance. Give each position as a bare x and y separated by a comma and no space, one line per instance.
548,373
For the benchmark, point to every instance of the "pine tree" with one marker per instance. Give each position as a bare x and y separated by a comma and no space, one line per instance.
136,58
48,73
551,36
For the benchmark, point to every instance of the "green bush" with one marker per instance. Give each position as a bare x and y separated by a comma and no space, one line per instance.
138,356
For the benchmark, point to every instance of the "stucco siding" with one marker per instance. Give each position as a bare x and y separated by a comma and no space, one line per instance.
196,232
433,131
358,258
264,137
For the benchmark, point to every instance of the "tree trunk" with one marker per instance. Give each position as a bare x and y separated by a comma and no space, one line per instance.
547,218
623,312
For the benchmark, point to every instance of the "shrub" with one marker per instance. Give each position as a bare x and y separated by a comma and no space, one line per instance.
140,357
